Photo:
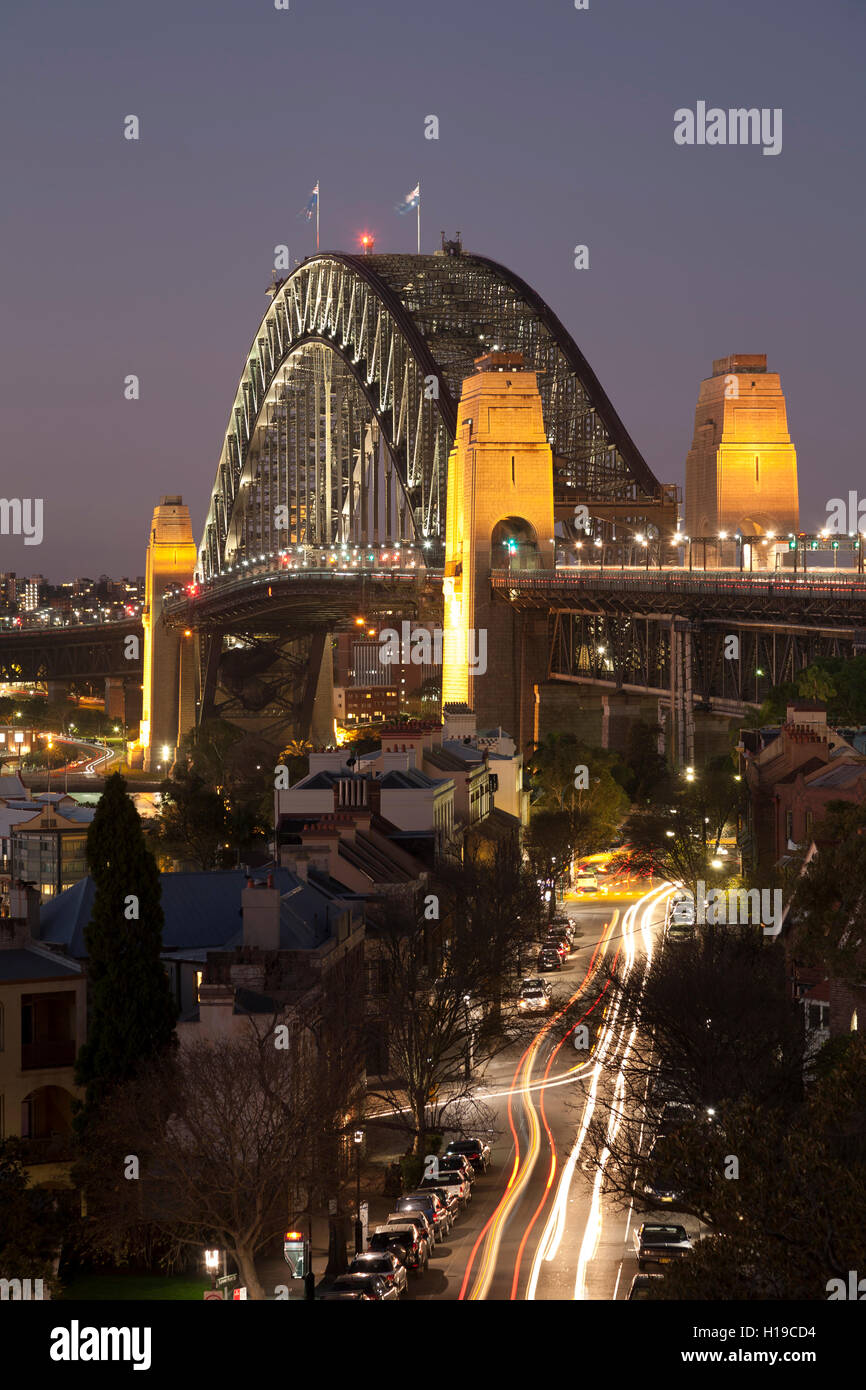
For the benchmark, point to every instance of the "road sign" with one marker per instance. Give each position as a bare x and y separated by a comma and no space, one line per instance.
239,1293
213,1296
226,1279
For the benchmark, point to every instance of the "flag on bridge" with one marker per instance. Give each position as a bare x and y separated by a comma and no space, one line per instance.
410,202
313,207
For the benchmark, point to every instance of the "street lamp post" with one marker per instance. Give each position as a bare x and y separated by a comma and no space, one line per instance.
359,1229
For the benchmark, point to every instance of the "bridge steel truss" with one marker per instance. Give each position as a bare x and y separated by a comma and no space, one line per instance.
85,653
347,405
718,642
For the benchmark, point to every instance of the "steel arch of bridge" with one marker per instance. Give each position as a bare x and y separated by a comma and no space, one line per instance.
347,404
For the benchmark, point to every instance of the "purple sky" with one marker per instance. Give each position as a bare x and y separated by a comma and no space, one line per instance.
556,128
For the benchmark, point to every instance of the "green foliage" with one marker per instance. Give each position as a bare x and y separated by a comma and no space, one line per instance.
130,1006
829,906
193,819
31,1227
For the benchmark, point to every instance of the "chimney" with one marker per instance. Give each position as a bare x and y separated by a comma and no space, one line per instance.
260,905
22,924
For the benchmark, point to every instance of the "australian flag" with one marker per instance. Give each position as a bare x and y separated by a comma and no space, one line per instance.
312,203
411,200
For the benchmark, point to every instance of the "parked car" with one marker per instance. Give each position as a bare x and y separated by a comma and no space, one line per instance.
558,944
345,1295
371,1285
535,982
661,1184
450,1188
642,1286
533,1001
674,1115
458,1163
658,1244
433,1208
384,1263
403,1237
450,1176
549,959
398,1220
475,1150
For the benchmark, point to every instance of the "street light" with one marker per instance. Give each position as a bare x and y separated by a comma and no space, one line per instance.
212,1264
358,1139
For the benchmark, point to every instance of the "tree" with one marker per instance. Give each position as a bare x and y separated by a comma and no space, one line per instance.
493,902
677,841
131,1009
647,776
31,1226
219,1129
828,910
193,819
815,683
423,1021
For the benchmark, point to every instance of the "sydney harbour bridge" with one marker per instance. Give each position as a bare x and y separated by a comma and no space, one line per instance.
329,500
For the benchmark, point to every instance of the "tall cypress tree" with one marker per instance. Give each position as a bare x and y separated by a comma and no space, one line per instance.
131,1011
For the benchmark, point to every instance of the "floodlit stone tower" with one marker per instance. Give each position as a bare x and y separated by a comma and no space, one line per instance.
499,516
168,689
741,471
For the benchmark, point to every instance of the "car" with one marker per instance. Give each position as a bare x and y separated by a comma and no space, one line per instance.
587,881
475,1150
655,1243
533,1001
372,1285
661,1185
674,1115
535,982
345,1295
558,944
398,1220
677,933
450,1188
458,1163
642,1286
433,1208
407,1241
549,959
384,1263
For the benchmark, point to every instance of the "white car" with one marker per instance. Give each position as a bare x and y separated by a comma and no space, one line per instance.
533,1001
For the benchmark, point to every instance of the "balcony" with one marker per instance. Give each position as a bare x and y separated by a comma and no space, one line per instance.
47,1054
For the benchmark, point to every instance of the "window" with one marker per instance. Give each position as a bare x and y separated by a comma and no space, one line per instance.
789,825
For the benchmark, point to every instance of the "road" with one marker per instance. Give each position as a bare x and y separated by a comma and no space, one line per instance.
538,1226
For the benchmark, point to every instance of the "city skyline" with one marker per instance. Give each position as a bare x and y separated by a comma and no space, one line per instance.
142,259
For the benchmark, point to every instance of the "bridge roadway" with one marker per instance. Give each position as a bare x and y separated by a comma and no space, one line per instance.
309,588
825,598
304,589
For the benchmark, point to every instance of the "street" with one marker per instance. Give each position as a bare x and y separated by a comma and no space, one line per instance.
538,1226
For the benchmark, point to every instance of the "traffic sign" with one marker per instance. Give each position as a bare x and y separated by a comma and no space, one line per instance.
227,1279
212,1296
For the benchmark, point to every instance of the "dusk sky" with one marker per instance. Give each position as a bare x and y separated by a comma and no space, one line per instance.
556,128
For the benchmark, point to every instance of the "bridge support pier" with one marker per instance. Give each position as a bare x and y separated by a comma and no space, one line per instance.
682,743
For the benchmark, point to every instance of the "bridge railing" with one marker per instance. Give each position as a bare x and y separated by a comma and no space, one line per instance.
641,580
333,560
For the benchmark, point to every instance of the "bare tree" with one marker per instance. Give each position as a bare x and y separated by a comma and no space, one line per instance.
217,1132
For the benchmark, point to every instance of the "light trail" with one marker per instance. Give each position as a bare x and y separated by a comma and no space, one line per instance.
554,1229
522,1171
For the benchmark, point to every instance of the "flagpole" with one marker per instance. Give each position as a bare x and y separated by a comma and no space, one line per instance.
419,217
318,200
